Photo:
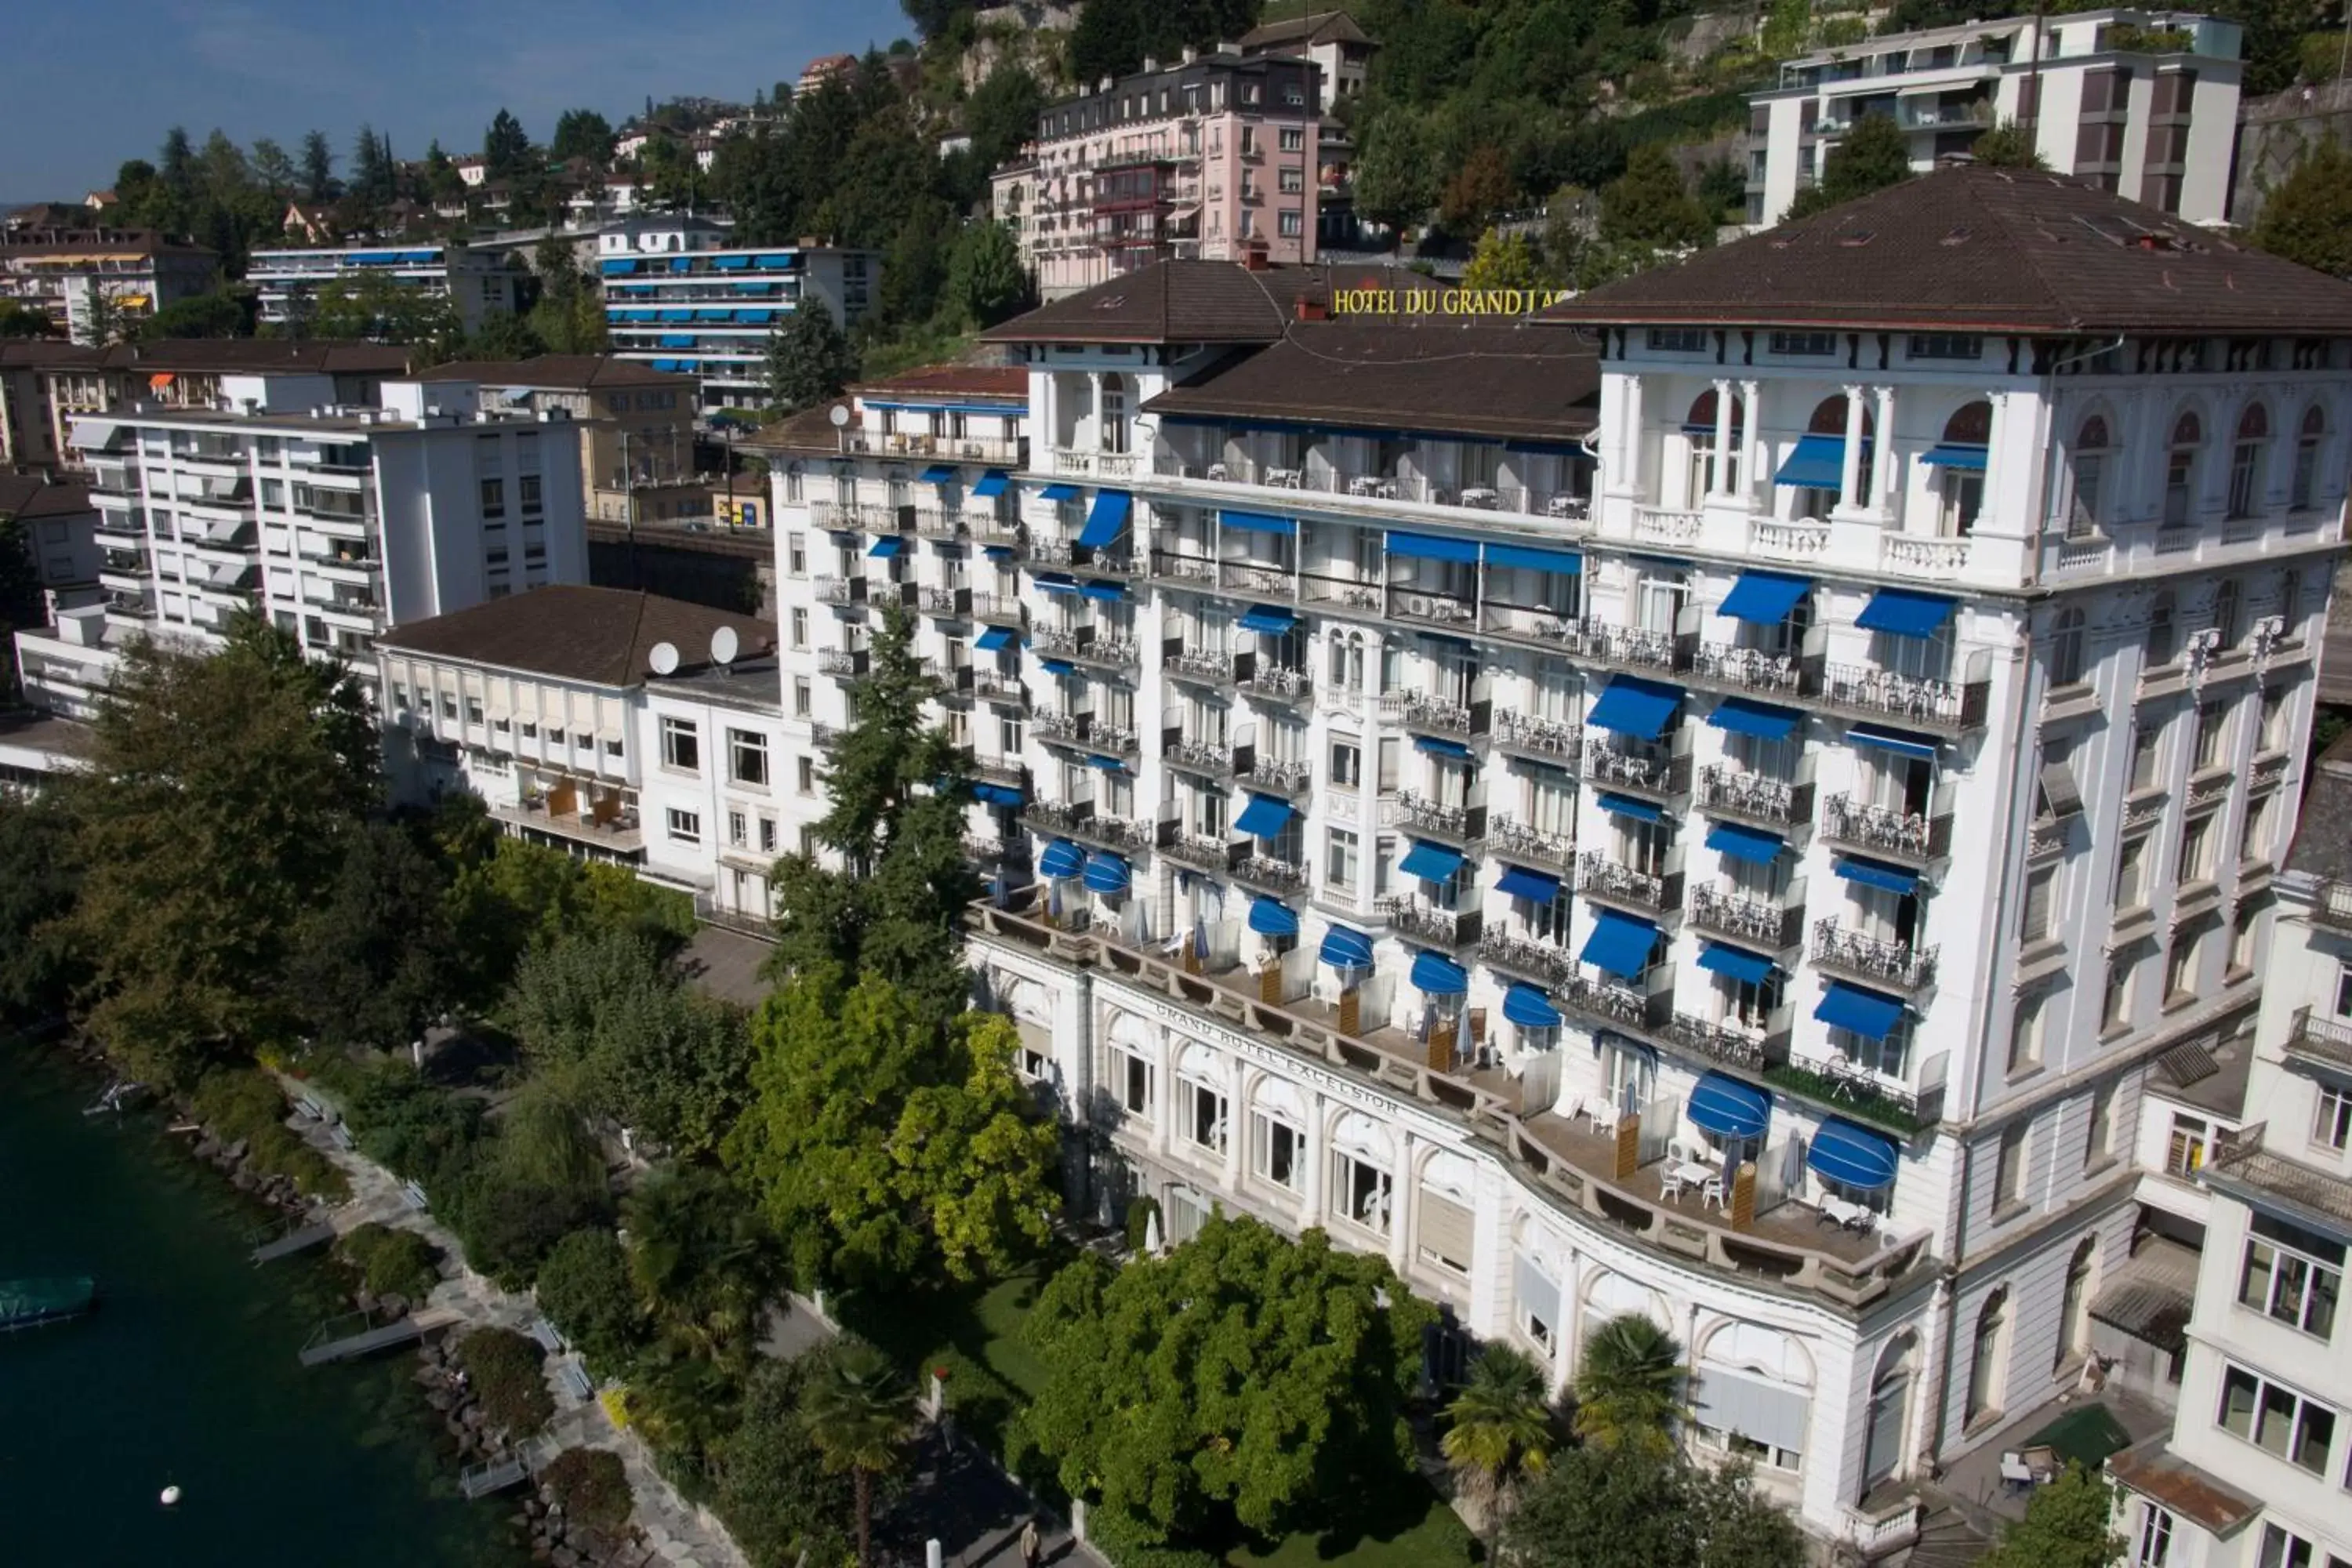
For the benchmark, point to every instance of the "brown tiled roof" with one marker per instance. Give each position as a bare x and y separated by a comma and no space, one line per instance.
2154,1470
1515,381
44,354
990,381
601,636
1972,249
317,356
30,495
808,430
1317,28
573,372
1169,302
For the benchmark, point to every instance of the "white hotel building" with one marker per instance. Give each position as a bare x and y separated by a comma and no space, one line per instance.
1754,888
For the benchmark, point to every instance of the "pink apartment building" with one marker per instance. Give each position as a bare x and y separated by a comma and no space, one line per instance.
1213,158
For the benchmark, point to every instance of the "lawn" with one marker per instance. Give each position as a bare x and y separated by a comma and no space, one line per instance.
975,1335
1412,1528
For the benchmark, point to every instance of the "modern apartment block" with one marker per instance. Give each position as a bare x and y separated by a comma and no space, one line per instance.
636,423
1713,804
335,522
65,273
2142,103
1213,158
707,314
478,283
2254,1472
558,708
60,533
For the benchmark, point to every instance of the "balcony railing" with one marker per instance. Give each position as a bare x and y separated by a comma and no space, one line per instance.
1870,959
1916,700
1270,874
1203,852
840,591
2332,905
2320,1039
1514,840
1762,921
1633,648
1665,777
1197,756
1613,1004
1604,878
1753,797
1881,831
954,602
1050,552
1062,729
995,686
1059,642
1559,505
1284,778
847,663
1058,816
1275,684
1112,563
1000,771
1213,665
1174,566
1424,923
932,522
1114,741
1424,818
1435,715
1109,465
1546,964
1548,739
996,609
1732,1043
1752,670
1117,652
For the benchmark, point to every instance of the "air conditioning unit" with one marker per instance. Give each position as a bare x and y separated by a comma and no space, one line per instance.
1417,605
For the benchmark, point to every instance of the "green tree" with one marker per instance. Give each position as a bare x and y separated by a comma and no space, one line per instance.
274,170
860,1409
585,1290
318,171
2308,218
505,147
2008,145
372,959
1479,192
22,603
1395,180
380,310
2066,1525
38,880
1629,1385
208,315
569,314
673,177
782,1504
1502,261
1649,205
1598,1507
18,320
581,133
986,282
1002,114
1499,1430
883,1148
703,1260
809,359
1242,1377
1873,155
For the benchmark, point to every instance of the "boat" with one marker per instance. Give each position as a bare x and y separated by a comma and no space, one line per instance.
28,1303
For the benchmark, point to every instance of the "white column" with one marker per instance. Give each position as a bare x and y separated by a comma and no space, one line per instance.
1316,1152
1400,1204
1750,421
1882,456
1850,474
1719,477
1627,480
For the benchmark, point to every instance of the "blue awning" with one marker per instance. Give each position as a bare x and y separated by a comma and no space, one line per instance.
998,795
1874,873
1626,806
1271,917
1870,1013
720,314
991,483
1621,943
886,546
1107,764
678,340
1055,583
939,474
1258,522
1904,613
1107,873
1059,492
1852,1156
1631,706
1439,746
1817,464
1956,455
763,317
614,267
1728,1107
997,551
1104,593
1518,882
1433,547
1748,968
993,639
1432,861
777,263
1061,860
1764,598
1107,520
1566,563
1271,619
681,264
1263,817
676,315
1743,716
1345,947
1746,843
731,263
1892,741
1058,667
1437,975
1528,1008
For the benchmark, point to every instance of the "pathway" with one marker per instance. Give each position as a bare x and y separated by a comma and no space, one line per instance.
677,1532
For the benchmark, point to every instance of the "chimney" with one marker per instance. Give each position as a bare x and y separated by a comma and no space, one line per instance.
1151,64
1191,54
1309,308
1254,259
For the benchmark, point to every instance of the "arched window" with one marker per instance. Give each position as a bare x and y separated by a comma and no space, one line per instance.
1890,1398
2246,461
2303,494
1959,459
2071,1303
2066,649
2163,632
793,476
1347,662
1698,426
2087,467
2229,612
2180,469
1817,486
1984,1355
1114,413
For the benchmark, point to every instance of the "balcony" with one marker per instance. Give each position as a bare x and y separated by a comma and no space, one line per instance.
1060,642
1204,758
1205,852
1871,960
1110,652
1426,608
861,517
1115,740
824,737
1273,683
2332,905
1600,877
1943,706
1428,925
1772,676
1908,837
840,591
1200,666
995,686
1258,579
1123,835
1054,817
1104,464
997,610
1056,552
1459,825
1615,1006
848,663
1269,874
1514,840
953,603
1108,562
1174,566
1545,963
1435,716
987,849
1271,775
1557,505
1734,1044
1634,649
1752,797
1003,771
1544,739
931,523
2319,1040
1056,729
1776,926
1851,1087
1662,778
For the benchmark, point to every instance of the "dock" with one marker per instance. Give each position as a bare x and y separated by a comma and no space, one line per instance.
326,1344
287,1240
497,1475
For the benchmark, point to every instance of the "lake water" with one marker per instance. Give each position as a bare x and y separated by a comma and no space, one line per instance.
187,1374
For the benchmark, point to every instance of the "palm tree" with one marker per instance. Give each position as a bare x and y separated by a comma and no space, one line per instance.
859,1409
1501,1432
1629,1387
701,1254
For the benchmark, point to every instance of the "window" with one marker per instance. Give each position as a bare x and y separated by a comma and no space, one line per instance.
767,835
2162,644
747,757
805,775
1678,340
2131,873
738,831
2185,1150
1293,138
1364,1190
2332,1121
1291,181
803,698
2180,967
2303,490
2146,740
2229,612
473,710
2254,834
799,628
1342,860
2041,901
1985,1356
2246,456
795,554
681,745
1946,345
2067,650
2152,1548
1346,764
494,498
1130,1080
1205,1123
2180,471
2098,1146
527,488
2276,1418
2114,1000
2197,849
2212,725
2025,1035
2008,1168
1275,1147
2293,1276
2281,1550
1293,223
2087,467
2272,730
2290,603
685,827
1813,344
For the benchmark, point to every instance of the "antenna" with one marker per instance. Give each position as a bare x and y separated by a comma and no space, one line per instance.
664,659
724,646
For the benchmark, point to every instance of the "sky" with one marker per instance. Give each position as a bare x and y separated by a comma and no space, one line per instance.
119,73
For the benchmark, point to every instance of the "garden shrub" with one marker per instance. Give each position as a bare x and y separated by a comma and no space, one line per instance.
391,1262
592,1486
505,1371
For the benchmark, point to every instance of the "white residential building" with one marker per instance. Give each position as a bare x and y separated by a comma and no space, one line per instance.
335,522
478,283
1766,886
76,276
2143,103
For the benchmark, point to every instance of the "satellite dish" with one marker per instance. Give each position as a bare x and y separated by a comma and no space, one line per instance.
664,659
724,646
839,415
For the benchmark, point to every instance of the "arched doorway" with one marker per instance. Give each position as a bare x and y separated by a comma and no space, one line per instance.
1890,1400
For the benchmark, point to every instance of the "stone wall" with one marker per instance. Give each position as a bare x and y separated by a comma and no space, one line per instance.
2274,131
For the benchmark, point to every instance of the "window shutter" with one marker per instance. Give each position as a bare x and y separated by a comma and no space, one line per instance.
1444,1231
